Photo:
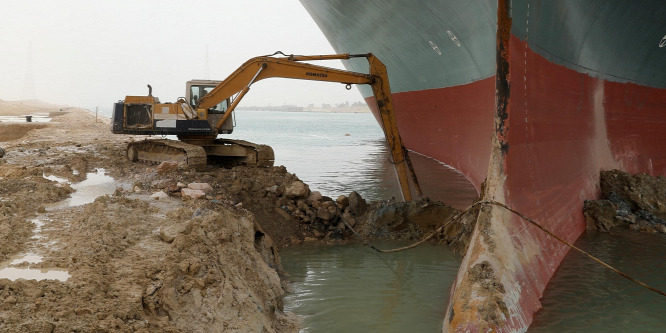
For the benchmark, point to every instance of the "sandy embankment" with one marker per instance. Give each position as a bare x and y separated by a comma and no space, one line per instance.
135,263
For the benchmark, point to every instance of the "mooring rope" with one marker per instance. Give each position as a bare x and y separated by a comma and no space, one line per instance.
496,203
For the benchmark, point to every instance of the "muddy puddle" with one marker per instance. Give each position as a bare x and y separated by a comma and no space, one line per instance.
95,185
14,269
14,273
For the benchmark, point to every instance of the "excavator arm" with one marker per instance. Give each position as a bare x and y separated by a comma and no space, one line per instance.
293,67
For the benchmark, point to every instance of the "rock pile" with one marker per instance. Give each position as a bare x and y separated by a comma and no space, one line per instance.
290,212
636,201
322,215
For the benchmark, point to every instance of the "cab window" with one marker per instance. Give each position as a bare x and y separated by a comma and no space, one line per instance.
197,92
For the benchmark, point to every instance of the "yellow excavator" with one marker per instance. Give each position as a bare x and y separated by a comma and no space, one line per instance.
205,112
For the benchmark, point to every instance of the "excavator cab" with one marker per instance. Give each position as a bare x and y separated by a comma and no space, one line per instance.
196,89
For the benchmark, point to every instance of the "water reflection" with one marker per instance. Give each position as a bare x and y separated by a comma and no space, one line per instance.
95,185
30,258
443,183
13,274
22,119
352,288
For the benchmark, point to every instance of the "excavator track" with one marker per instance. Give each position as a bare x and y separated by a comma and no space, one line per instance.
197,153
161,150
231,153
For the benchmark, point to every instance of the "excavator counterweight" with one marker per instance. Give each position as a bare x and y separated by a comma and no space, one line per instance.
206,112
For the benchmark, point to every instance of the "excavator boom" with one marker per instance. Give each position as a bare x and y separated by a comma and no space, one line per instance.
260,68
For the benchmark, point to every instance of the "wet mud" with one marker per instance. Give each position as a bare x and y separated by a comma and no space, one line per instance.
128,262
636,202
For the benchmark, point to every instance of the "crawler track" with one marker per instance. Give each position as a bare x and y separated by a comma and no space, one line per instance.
197,154
167,150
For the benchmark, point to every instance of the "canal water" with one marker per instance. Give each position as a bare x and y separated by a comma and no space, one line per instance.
353,289
583,296
335,153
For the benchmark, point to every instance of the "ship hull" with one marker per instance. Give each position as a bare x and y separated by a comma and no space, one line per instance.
574,87
444,136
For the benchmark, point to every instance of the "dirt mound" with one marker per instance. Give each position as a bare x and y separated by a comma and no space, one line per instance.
195,270
636,201
134,263
290,213
9,132
23,192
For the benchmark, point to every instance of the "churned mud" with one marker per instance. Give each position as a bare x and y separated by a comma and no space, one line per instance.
637,202
93,242
81,254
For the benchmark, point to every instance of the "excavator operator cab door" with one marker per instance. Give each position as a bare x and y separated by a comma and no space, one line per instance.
196,89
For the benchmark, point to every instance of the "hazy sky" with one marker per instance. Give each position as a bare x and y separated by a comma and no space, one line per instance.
93,53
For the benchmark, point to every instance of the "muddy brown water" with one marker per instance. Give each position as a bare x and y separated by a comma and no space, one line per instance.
586,297
352,288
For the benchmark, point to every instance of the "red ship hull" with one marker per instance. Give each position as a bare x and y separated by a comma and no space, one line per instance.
445,136
530,98
564,127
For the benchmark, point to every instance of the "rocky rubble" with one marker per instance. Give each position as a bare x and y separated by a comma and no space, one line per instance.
637,202
290,212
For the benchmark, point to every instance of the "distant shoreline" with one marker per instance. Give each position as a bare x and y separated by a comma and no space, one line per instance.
292,108
29,107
